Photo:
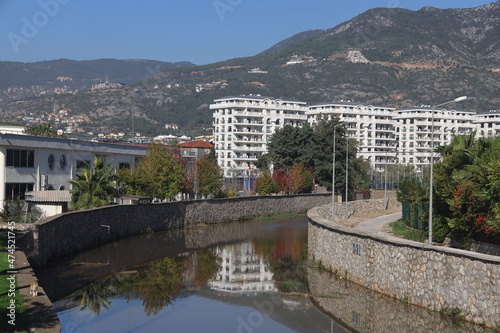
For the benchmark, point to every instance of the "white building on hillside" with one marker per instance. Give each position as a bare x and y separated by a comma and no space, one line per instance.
39,164
11,129
415,128
487,124
243,126
372,126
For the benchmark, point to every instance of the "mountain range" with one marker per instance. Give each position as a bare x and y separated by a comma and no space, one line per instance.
388,56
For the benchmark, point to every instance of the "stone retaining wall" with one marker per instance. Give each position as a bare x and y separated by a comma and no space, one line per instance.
362,310
429,276
72,232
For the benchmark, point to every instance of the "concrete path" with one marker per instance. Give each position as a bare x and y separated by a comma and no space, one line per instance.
39,308
376,225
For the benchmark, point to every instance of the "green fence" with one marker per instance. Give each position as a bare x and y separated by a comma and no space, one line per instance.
413,218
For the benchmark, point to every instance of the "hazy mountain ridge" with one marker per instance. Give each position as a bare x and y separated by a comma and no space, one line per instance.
395,57
21,80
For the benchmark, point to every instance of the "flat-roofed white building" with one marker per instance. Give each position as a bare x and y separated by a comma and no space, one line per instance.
415,128
32,163
243,126
487,124
6,128
371,125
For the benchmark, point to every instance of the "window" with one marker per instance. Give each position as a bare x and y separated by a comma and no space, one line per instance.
15,191
124,165
82,164
62,161
50,161
20,158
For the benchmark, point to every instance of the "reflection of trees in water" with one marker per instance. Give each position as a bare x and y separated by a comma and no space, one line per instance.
157,283
207,266
95,296
290,274
157,286
283,252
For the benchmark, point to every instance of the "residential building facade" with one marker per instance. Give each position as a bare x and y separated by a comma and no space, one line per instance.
487,124
371,125
32,164
415,126
243,126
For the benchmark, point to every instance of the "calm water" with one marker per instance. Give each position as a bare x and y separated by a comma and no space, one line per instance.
237,277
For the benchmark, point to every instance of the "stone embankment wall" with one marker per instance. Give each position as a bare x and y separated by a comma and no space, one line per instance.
429,276
72,232
362,310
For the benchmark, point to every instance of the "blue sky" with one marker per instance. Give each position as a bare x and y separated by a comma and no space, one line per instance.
200,31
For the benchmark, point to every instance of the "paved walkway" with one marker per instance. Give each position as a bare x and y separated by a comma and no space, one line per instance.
39,308
377,224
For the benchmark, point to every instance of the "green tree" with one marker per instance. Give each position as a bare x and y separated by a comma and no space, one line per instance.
412,192
467,184
312,146
301,178
290,145
263,163
265,184
15,210
42,130
159,174
208,176
93,186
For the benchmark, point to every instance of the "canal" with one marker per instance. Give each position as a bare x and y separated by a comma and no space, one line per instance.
250,276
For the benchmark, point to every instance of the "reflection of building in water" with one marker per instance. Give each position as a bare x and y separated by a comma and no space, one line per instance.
242,270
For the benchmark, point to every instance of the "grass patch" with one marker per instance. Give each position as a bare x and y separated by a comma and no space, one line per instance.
21,319
400,229
451,312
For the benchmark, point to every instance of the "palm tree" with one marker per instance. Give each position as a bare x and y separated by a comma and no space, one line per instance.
93,186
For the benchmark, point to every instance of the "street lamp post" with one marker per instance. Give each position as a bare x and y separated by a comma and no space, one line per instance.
385,178
346,173
333,175
431,178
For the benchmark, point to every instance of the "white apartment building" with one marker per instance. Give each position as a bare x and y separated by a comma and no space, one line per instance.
243,126
415,127
487,124
372,126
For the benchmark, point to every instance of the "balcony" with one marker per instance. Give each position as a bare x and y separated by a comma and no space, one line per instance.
255,140
246,130
246,157
248,123
248,148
